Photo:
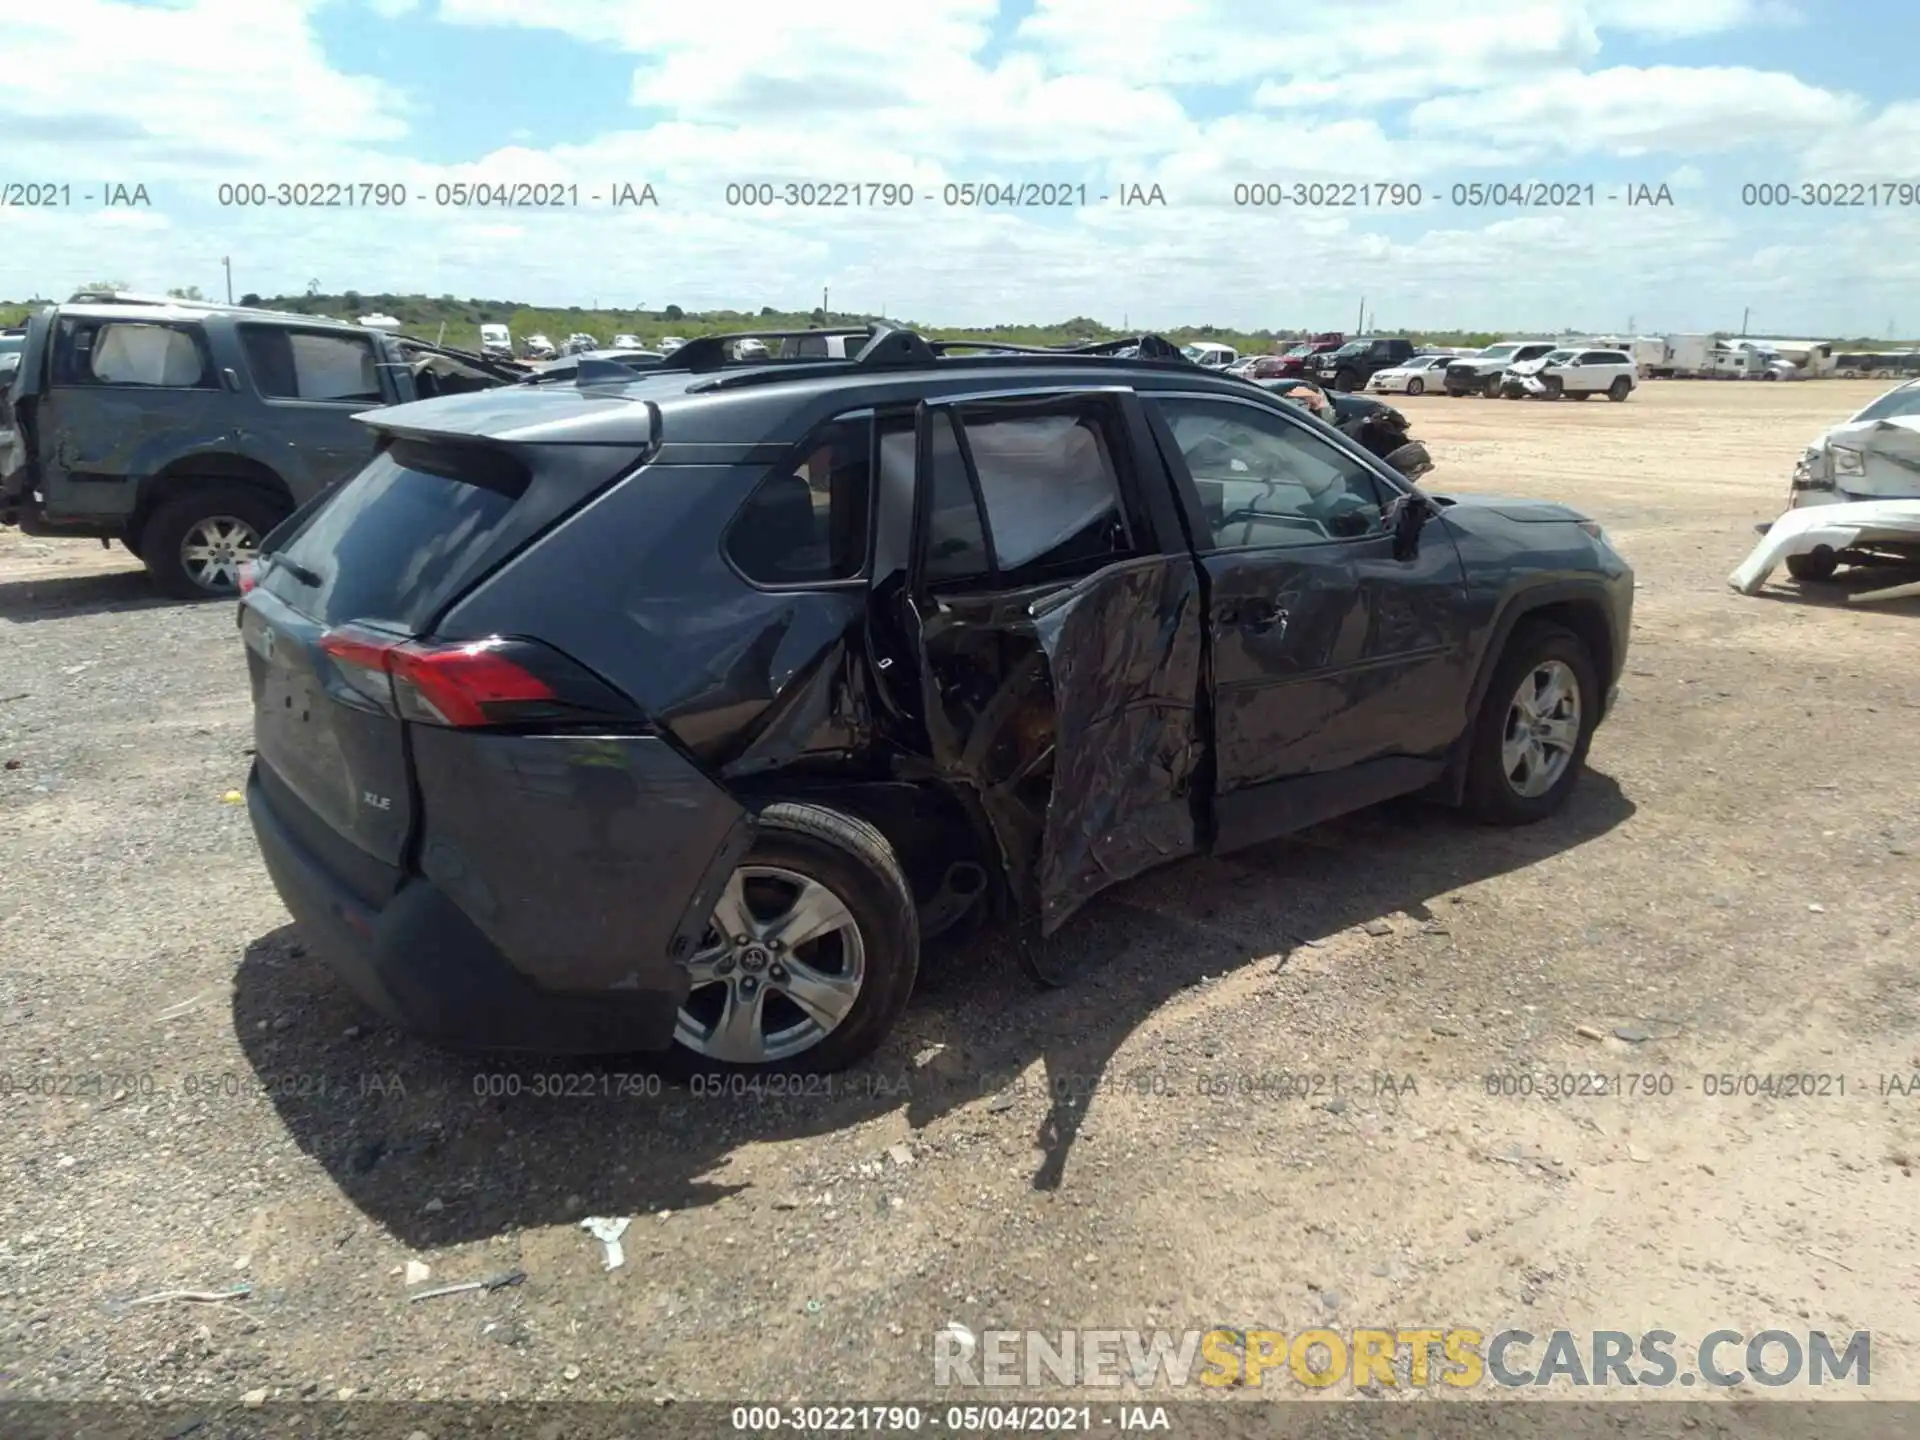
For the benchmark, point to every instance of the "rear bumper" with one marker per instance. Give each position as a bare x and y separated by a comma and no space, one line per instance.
419,961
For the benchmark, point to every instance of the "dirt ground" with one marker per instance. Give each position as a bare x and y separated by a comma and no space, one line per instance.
1732,893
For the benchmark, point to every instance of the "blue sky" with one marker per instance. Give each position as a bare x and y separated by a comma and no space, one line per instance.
1701,96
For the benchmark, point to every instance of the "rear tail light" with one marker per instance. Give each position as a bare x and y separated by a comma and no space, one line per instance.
495,681
248,579
462,685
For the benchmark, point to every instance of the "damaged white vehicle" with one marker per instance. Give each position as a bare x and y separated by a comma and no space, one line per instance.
1855,497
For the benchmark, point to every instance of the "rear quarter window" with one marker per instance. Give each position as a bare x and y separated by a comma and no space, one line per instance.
807,522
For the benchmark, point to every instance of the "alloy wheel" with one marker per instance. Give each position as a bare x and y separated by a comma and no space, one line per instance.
214,549
1542,730
779,969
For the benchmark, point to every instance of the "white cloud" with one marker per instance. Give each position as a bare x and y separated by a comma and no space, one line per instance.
1190,95
1632,111
202,87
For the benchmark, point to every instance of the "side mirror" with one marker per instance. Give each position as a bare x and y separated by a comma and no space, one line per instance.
1408,516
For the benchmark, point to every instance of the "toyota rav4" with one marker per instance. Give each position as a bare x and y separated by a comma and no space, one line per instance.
673,711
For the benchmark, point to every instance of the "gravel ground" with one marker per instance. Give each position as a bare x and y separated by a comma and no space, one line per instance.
1733,891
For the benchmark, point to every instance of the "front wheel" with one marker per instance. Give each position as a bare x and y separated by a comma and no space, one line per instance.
196,542
1346,381
1530,738
811,954
1416,386
1490,387
1617,391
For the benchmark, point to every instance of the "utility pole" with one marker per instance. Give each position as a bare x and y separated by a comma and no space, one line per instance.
1361,319
823,299
227,261
1743,319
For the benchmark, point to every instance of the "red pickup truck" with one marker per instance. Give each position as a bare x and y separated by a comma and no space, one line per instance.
1296,361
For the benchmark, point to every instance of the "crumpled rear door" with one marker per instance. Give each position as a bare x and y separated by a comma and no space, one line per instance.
1070,711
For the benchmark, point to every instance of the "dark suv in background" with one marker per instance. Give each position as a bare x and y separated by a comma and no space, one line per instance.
674,711
1353,364
187,431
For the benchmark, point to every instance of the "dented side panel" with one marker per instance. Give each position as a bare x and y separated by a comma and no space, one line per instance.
1125,649
1071,714
987,696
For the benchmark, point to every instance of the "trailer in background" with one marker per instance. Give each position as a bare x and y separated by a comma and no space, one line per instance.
1682,357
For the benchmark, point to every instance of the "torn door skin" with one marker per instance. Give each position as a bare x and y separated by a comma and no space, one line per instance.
1073,714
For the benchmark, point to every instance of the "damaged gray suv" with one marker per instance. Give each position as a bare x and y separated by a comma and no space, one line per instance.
672,712
187,430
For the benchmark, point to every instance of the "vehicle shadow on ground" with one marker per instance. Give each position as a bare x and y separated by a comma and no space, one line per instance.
61,597
441,1149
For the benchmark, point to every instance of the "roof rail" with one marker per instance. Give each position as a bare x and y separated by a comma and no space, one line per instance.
885,346
1142,347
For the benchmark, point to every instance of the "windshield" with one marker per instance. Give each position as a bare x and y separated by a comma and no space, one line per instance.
1306,349
1352,347
1499,352
1553,355
1904,401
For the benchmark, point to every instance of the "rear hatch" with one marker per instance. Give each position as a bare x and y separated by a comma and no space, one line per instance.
345,591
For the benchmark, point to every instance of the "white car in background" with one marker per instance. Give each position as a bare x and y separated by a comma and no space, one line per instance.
670,343
1412,377
626,342
1573,373
1855,499
1210,356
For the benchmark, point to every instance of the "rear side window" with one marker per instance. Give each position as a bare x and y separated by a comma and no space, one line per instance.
1051,487
388,542
310,365
806,523
129,353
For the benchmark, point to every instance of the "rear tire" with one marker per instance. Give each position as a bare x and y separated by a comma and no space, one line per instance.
1508,782
182,544
1815,566
852,863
